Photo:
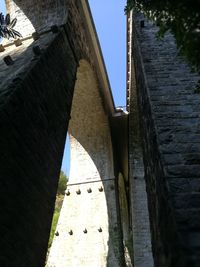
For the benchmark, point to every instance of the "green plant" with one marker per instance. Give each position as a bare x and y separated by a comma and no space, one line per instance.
53,225
129,5
6,27
181,17
62,184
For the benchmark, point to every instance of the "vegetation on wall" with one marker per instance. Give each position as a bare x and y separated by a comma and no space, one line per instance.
62,184
181,17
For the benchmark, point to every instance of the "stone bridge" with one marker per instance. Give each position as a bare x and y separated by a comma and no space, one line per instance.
56,82
58,76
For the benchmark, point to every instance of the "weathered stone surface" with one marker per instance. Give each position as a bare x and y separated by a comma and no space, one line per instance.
169,118
35,104
37,15
24,60
140,224
33,121
91,167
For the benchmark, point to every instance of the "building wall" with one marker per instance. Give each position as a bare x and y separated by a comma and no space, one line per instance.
169,120
91,168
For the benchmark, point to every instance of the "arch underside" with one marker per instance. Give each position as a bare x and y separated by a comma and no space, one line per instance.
91,172
35,105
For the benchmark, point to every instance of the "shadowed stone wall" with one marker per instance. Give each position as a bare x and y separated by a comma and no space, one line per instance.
140,224
169,119
34,115
138,197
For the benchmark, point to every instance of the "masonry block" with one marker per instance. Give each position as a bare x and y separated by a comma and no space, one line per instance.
170,136
34,116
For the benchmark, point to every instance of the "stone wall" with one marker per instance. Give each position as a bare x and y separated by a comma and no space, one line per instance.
37,15
76,20
140,224
138,198
34,114
91,168
169,119
35,104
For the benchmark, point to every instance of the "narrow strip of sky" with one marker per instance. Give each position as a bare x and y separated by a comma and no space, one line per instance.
2,7
110,23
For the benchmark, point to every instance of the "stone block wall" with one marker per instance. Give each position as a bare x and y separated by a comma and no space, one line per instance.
91,168
169,120
34,114
140,223
37,15
35,104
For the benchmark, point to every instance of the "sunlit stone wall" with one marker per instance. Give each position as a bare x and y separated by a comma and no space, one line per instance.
91,169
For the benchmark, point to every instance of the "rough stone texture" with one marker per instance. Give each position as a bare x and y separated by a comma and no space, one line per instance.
169,118
138,197
39,16
91,167
36,15
75,17
35,104
91,212
124,210
33,120
24,60
140,224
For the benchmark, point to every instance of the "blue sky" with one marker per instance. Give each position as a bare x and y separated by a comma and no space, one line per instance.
110,23
2,6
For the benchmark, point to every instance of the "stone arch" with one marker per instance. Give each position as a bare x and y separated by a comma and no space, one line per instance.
35,104
92,167
89,125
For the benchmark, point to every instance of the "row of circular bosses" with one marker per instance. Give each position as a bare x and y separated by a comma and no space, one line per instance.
84,231
89,190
